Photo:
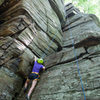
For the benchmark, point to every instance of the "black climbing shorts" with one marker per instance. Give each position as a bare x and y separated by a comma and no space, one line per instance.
33,76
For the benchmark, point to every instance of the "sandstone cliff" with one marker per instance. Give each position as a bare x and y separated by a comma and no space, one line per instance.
62,36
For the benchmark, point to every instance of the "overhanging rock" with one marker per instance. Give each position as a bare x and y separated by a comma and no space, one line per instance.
27,28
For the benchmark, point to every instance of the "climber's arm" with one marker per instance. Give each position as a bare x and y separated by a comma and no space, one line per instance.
35,58
43,68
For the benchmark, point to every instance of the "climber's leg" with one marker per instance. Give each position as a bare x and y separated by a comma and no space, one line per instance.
26,84
30,77
34,82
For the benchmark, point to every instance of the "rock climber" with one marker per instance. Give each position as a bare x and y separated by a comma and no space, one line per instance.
34,76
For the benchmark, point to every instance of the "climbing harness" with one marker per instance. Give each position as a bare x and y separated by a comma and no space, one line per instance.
71,36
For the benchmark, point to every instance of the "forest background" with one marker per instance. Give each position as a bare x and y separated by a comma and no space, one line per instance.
87,6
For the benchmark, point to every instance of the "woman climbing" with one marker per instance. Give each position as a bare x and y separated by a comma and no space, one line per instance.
34,76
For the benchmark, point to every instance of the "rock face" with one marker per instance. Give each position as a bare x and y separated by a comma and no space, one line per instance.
63,36
27,28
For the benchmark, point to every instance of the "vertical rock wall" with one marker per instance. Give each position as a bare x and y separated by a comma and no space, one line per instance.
27,28
47,29
61,81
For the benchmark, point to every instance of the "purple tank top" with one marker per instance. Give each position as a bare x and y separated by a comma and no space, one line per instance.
37,67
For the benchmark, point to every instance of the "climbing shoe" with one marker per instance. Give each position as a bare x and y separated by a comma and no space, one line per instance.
27,97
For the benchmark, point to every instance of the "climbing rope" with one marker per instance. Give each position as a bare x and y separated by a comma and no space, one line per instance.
50,43
71,36
73,51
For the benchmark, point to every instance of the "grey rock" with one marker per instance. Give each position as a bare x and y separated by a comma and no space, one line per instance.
58,6
10,84
71,50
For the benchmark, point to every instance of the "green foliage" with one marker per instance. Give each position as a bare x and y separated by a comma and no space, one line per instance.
87,6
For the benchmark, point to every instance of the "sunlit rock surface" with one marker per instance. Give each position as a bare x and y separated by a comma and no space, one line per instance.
59,34
27,28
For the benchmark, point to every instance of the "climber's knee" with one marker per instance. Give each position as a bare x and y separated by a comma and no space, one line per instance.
27,81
